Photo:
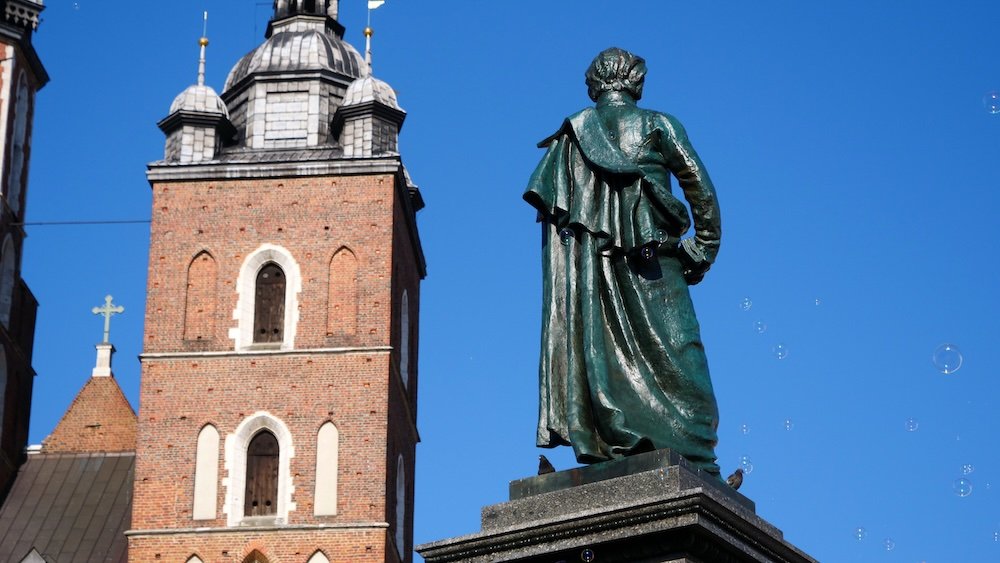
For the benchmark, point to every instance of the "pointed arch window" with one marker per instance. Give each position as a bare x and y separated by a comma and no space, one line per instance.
261,496
400,506
404,340
199,310
269,304
255,557
8,265
342,311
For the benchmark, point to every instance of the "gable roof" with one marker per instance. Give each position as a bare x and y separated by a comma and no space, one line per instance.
71,508
100,419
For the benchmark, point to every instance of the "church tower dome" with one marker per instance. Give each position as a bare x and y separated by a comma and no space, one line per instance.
201,98
284,93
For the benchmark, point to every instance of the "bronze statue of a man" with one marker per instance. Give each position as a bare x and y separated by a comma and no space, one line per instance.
623,369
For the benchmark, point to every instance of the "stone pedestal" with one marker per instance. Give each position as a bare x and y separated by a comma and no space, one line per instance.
648,508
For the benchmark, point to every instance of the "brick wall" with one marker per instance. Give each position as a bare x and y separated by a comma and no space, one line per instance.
340,370
99,419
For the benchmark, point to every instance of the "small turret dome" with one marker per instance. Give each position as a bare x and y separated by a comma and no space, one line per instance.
201,99
299,49
370,89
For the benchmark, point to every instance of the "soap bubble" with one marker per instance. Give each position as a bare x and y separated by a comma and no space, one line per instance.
962,487
566,235
780,351
992,102
947,358
860,533
746,304
968,468
789,424
746,464
647,253
911,425
760,327
587,555
818,301
889,544
996,536
745,429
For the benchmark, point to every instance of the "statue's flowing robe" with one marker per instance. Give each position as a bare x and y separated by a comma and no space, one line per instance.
622,369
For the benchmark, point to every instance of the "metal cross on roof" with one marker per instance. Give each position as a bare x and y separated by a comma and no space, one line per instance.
107,310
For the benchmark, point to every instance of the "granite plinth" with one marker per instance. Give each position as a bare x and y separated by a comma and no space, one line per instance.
649,508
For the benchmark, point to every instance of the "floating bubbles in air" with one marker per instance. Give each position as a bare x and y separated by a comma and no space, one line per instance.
947,358
991,101
566,235
968,468
746,464
789,424
587,555
889,544
860,533
760,327
746,304
780,351
744,429
818,301
911,425
962,487
996,536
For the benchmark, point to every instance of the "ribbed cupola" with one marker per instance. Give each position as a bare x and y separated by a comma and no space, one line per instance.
284,93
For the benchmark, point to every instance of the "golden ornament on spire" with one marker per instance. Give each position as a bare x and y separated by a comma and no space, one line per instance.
369,31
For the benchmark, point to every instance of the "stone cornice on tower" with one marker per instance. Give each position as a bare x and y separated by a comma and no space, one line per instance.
20,20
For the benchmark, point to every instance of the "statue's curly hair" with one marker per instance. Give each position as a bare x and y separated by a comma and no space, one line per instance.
616,69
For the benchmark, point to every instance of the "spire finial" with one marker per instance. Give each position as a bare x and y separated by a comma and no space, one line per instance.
372,4
104,350
204,43
368,47
107,310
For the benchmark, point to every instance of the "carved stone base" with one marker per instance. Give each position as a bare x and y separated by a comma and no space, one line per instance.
648,508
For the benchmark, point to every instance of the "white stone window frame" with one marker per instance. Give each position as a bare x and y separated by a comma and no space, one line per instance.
236,468
246,285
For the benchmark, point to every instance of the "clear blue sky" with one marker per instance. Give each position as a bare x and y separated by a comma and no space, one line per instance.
855,165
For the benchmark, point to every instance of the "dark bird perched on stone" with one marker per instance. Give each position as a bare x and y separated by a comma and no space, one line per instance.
736,479
544,466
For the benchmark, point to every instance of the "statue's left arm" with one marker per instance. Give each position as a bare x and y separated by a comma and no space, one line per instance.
684,164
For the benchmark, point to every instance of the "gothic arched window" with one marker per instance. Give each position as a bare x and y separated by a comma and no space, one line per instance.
269,304
261,497
255,557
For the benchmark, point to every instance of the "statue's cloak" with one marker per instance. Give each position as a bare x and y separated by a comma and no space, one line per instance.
622,368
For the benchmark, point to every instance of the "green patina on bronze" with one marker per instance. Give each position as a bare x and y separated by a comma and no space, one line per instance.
623,369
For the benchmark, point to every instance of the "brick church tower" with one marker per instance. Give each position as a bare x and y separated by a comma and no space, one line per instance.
21,75
277,414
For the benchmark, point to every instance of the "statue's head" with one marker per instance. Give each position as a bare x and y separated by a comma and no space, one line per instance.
616,70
